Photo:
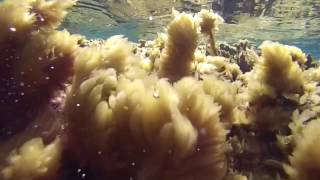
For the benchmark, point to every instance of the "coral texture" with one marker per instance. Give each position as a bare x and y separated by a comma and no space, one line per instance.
162,109
33,161
305,159
178,54
36,59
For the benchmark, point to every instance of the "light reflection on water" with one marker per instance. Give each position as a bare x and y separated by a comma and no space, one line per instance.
294,24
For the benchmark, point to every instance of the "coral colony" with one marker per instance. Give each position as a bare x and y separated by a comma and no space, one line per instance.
165,109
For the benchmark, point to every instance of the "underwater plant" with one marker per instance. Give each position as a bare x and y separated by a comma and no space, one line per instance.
304,161
36,59
178,54
162,109
34,160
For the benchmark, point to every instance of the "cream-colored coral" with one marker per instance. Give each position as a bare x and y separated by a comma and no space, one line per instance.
224,67
209,23
278,68
38,56
115,52
46,55
16,19
312,74
275,74
305,159
166,131
297,54
23,16
225,94
34,161
178,55
49,14
118,53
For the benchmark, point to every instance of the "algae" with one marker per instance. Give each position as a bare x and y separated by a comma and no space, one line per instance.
169,108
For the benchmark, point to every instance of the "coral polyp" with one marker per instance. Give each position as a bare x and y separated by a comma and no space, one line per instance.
172,108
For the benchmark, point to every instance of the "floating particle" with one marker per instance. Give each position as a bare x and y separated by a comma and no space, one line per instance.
13,29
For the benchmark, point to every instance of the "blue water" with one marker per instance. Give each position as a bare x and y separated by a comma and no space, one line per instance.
130,30
308,45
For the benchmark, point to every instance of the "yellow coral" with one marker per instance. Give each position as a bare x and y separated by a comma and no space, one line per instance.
118,54
181,120
46,55
34,160
178,54
17,20
36,54
49,14
305,159
209,23
24,16
274,74
297,54
114,53
222,65
278,70
225,94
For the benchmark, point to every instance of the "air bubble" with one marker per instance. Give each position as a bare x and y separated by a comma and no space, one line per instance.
13,29
156,95
83,176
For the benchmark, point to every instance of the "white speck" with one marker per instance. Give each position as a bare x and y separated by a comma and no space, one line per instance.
78,105
133,164
36,126
156,95
41,19
144,150
99,152
13,29
198,149
22,93
91,19
47,77
52,67
131,178
150,18
83,176
17,100
79,170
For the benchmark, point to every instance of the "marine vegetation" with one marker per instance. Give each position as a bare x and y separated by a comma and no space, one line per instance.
171,108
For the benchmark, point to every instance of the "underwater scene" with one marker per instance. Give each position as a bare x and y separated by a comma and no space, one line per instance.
159,90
